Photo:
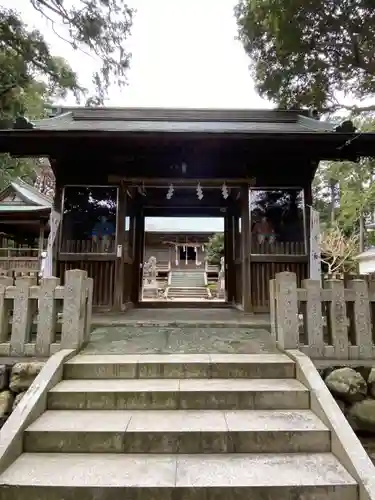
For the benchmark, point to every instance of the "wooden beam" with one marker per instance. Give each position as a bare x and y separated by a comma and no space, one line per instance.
138,255
120,250
186,182
278,258
230,265
84,257
245,246
307,193
41,239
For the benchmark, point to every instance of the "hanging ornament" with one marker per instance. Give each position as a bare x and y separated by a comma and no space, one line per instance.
197,263
199,191
170,192
224,191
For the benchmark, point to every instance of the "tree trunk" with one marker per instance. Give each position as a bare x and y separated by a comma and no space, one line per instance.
361,233
332,188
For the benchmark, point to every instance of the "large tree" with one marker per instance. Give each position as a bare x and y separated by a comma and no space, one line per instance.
99,27
344,192
215,248
31,76
308,53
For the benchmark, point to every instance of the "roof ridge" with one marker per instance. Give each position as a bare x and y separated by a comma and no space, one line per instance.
185,115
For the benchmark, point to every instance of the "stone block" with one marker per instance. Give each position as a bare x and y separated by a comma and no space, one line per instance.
23,374
6,402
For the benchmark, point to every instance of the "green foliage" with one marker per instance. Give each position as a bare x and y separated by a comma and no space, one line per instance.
344,192
215,248
25,60
31,77
303,53
96,26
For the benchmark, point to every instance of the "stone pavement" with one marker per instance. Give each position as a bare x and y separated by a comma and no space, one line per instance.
180,316
180,331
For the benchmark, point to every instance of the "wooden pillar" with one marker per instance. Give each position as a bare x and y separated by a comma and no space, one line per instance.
57,205
230,260
307,195
226,249
237,259
141,252
137,255
131,236
245,249
41,239
121,251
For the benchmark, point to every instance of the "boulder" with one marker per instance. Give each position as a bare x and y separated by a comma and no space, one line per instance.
327,371
361,415
23,375
4,377
371,382
347,384
6,402
17,399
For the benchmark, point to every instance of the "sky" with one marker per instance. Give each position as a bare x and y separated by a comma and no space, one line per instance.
184,54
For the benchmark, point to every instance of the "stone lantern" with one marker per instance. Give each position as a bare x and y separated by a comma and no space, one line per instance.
366,261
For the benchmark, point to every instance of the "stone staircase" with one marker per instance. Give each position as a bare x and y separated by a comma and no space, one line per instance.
189,279
216,426
189,285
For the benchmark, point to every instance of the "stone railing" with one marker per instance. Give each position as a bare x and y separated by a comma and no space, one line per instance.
40,320
329,322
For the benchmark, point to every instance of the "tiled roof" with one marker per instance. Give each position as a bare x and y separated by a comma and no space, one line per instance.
30,193
28,198
21,208
182,120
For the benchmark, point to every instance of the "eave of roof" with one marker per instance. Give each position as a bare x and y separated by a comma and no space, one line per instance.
156,120
31,195
22,208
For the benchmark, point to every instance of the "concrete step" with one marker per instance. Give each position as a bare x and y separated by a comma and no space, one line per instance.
186,292
68,476
177,431
184,394
187,289
188,274
179,366
186,285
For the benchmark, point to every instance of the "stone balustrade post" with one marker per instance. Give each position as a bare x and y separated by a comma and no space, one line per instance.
5,308
23,313
46,329
74,325
286,310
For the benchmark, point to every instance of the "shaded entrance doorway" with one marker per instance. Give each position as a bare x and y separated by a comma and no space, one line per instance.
188,254
176,265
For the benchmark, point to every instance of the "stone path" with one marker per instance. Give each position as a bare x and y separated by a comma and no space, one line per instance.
180,331
131,339
211,317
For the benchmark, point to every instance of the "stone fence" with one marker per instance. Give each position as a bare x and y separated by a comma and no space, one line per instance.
40,320
325,322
